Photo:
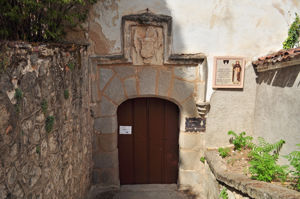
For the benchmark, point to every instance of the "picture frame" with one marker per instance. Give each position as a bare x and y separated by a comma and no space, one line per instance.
228,72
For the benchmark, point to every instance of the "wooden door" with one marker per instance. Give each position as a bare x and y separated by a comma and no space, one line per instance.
149,155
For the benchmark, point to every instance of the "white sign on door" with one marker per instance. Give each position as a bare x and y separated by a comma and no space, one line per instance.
125,130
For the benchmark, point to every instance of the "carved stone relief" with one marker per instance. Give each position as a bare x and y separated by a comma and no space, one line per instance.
147,45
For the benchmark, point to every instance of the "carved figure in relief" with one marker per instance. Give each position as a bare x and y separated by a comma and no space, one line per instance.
147,45
236,72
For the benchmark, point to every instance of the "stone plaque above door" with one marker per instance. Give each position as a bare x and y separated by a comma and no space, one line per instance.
147,45
147,40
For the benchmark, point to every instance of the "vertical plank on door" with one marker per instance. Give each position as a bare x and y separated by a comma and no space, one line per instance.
156,131
125,144
171,142
140,141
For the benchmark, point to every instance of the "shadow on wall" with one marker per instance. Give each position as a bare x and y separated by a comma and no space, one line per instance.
285,77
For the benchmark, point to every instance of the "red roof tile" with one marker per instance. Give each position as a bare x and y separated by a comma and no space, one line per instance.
282,55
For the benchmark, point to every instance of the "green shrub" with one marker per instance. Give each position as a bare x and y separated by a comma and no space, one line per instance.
263,164
294,158
293,35
49,123
241,141
224,152
223,194
43,20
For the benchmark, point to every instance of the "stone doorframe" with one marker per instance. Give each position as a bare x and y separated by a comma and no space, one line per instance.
146,68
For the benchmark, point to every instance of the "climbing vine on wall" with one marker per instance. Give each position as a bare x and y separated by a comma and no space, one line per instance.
293,35
36,20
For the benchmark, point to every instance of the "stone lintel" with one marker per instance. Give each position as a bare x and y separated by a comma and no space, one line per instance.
186,59
174,59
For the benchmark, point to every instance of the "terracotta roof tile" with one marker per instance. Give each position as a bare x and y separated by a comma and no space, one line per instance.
282,55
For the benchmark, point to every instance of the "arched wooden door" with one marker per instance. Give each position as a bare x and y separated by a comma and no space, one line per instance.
149,153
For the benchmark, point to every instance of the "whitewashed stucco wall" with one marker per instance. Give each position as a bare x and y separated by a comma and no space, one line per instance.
248,28
277,108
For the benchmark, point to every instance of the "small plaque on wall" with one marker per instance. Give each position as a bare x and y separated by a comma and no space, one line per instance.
195,124
228,72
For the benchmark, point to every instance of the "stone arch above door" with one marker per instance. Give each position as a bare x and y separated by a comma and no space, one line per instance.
116,78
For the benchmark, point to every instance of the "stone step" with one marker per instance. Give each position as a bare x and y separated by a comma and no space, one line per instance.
144,191
150,191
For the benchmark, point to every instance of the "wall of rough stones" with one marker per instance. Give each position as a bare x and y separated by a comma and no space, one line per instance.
41,84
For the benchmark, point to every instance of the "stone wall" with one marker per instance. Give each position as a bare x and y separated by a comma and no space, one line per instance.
277,107
41,85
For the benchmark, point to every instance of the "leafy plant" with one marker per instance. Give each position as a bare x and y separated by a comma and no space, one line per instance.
263,163
49,123
18,94
4,62
66,94
202,159
44,106
223,194
224,152
45,20
38,149
294,159
71,65
293,35
241,141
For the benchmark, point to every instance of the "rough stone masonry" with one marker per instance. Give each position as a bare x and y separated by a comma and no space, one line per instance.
44,125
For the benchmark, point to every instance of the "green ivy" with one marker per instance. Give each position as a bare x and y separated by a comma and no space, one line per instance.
66,94
49,123
293,35
18,94
71,65
43,20
44,106
38,149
